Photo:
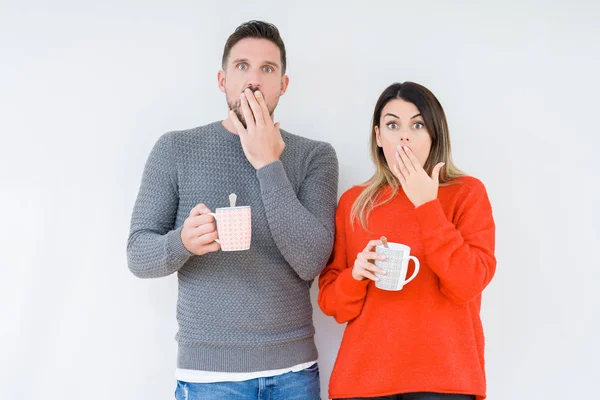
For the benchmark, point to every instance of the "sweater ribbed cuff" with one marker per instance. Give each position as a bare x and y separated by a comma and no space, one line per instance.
177,254
272,176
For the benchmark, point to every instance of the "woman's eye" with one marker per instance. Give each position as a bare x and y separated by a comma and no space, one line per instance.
419,125
392,125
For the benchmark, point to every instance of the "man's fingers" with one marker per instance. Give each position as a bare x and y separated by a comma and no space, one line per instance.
239,127
263,105
199,231
206,238
198,220
256,109
248,116
212,247
199,209
205,245
204,229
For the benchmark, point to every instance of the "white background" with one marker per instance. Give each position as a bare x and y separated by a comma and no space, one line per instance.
85,91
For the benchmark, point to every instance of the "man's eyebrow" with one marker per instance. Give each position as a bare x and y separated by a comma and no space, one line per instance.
272,63
240,60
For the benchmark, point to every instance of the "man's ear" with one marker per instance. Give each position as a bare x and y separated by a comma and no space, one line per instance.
221,80
285,81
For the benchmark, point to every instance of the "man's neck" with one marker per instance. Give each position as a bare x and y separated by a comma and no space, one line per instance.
228,124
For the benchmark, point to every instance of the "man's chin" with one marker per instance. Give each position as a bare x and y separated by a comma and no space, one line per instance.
238,112
241,118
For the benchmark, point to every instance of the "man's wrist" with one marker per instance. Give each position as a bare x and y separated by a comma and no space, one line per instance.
262,164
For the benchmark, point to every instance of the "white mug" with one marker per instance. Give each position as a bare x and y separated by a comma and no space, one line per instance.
395,265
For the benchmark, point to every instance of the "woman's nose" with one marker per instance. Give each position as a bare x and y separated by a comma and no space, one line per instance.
404,137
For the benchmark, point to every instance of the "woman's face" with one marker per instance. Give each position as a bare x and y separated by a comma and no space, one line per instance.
401,124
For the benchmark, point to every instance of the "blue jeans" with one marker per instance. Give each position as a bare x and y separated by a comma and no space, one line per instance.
301,385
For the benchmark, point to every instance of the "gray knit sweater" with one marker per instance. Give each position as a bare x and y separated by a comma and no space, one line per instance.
240,311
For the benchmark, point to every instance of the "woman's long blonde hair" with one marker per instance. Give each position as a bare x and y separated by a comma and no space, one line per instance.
435,122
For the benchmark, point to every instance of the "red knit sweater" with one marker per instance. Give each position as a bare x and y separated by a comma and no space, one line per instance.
428,336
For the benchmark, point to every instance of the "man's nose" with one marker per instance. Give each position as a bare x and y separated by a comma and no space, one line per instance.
254,81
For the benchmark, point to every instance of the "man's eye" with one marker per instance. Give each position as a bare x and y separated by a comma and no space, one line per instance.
242,67
268,69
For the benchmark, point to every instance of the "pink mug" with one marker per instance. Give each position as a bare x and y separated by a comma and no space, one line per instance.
234,226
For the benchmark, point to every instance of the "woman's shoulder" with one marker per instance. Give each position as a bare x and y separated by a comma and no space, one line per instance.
350,195
466,190
465,184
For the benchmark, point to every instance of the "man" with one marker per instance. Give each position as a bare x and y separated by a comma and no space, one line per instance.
245,317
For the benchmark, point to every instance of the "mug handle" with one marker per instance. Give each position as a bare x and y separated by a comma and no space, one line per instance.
416,260
215,215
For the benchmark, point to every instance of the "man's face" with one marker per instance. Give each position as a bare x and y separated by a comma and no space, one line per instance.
255,64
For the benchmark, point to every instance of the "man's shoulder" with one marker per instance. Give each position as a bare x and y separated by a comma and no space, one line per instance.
304,144
196,132
209,137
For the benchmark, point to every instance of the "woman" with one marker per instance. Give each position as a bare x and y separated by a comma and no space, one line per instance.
425,341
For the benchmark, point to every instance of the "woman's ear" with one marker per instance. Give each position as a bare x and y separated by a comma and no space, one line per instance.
378,136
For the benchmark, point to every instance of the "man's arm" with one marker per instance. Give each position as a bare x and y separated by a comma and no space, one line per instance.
303,226
154,247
